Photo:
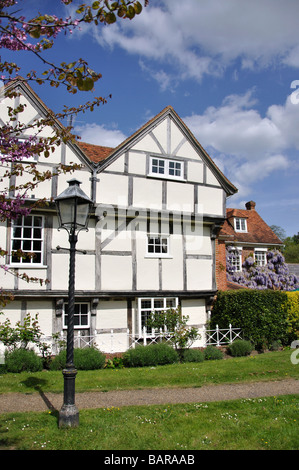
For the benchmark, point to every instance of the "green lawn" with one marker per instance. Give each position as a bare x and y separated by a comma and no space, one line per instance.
266,423
261,423
269,366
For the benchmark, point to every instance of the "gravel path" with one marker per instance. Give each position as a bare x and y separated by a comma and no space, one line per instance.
17,402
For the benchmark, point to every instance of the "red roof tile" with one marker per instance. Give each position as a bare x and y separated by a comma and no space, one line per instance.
257,229
95,153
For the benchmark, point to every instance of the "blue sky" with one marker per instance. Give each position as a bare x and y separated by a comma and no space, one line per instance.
226,66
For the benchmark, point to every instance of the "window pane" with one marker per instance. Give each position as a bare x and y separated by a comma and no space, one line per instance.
17,232
16,245
28,221
158,303
37,233
170,303
37,221
146,303
37,258
37,246
27,232
164,245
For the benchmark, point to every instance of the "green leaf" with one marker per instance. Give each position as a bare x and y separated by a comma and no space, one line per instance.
110,17
138,8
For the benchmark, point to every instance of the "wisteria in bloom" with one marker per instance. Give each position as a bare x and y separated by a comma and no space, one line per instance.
274,275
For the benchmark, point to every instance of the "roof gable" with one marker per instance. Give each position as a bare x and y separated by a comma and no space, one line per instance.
154,136
258,232
39,110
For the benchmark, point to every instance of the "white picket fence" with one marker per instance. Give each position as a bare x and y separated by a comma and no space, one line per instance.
114,341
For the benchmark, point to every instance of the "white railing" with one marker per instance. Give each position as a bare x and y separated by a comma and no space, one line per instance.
113,342
219,336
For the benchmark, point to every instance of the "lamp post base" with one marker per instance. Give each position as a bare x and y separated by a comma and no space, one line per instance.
69,416
69,413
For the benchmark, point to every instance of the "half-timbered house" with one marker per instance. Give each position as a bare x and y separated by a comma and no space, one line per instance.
159,202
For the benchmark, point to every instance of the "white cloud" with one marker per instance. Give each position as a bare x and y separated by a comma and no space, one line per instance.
197,37
247,146
99,135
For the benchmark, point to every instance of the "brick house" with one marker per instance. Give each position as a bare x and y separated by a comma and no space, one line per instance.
247,234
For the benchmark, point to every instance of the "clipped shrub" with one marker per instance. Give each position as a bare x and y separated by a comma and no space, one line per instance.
293,314
84,359
240,347
23,360
151,355
212,353
261,314
193,355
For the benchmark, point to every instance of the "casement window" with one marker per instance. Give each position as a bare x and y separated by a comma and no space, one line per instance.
81,316
147,306
236,259
27,237
240,224
260,257
164,168
158,245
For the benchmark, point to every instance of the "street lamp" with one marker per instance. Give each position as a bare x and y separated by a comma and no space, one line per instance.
73,208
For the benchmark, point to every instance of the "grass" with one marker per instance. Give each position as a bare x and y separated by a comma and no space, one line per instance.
251,424
266,423
261,367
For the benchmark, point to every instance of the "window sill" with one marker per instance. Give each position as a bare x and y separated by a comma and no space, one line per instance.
166,177
27,266
158,255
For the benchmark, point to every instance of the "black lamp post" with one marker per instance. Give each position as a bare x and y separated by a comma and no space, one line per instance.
73,208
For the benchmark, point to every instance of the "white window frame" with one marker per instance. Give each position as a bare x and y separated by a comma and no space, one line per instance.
144,312
240,224
157,246
166,164
78,315
238,254
25,234
260,256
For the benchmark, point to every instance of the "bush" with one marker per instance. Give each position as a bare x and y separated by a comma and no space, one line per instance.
151,355
240,347
261,314
21,360
212,353
293,314
84,359
193,355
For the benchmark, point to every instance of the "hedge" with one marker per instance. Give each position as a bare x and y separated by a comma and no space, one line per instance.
293,314
261,314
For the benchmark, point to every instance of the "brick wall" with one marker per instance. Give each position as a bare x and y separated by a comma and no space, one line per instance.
221,280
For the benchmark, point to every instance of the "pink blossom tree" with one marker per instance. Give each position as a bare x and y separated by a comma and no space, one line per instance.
34,37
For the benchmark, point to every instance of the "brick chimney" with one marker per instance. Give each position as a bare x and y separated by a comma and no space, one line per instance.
250,205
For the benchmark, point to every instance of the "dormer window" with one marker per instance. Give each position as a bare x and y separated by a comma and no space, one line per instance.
240,224
164,168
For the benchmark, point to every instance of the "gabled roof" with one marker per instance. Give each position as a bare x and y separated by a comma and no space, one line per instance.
21,85
104,156
99,157
258,232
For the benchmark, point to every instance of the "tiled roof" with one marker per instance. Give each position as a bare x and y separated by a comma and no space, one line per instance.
257,230
95,153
